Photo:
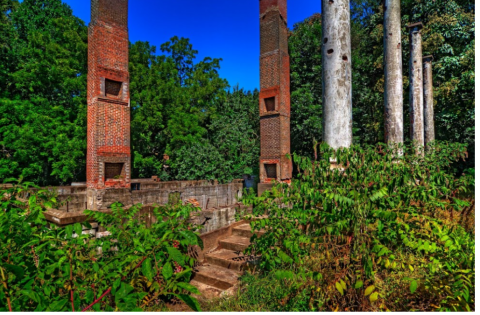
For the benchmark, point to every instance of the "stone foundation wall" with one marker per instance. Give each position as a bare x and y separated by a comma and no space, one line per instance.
208,194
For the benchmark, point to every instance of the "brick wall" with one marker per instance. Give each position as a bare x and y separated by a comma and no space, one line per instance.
274,88
108,143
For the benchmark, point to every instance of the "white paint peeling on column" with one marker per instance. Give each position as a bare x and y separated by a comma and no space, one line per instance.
337,73
393,98
429,114
416,87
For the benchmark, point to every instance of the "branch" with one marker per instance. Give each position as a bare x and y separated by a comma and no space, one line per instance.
97,300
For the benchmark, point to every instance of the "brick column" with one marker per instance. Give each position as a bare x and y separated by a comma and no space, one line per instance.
416,87
392,51
429,115
337,73
274,92
108,127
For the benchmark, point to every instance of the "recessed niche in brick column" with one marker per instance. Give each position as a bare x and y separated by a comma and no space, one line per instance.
108,96
274,93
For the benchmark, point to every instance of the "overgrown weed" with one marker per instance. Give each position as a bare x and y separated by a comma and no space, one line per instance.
387,233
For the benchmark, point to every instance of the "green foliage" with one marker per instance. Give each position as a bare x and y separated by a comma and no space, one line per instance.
47,268
305,48
233,145
42,93
371,217
173,99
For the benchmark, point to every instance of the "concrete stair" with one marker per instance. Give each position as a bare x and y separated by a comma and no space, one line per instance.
221,268
245,230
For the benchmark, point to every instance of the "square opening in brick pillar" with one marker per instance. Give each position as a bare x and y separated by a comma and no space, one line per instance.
271,171
112,88
270,104
113,170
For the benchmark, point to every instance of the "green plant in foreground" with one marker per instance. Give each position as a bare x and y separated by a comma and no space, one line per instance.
135,265
372,221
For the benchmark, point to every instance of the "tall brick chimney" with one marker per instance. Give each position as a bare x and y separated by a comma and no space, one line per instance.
108,144
274,93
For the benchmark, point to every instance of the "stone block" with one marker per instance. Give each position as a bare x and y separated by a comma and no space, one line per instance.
262,187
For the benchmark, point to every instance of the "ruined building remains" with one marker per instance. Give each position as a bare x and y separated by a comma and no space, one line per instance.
108,142
416,86
337,74
392,51
429,115
108,152
274,94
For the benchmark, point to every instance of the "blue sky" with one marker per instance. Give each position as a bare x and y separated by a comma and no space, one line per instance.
224,29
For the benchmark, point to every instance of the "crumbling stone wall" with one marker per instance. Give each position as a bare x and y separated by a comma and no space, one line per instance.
274,92
208,194
108,125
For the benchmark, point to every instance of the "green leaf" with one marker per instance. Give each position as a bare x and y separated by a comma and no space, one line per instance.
413,286
188,287
374,297
358,284
124,290
175,255
369,290
339,287
284,257
115,285
147,269
78,228
69,231
284,274
58,306
167,271
190,301
16,270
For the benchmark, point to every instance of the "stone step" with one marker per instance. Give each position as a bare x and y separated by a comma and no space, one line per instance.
206,290
231,259
215,276
245,230
235,243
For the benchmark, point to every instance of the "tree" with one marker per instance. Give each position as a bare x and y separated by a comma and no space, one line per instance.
43,104
306,84
231,148
173,99
449,35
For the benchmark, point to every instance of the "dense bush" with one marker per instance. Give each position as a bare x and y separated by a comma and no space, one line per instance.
383,233
134,266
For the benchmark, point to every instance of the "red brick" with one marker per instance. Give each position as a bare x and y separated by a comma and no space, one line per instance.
274,83
108,125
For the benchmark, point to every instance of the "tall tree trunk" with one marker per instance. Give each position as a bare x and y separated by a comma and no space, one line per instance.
337,73
416,87
393,100
429,115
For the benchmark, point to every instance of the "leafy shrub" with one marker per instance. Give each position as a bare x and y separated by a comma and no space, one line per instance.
378,219
139,261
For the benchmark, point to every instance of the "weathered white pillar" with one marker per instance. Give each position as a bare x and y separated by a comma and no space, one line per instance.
337,73
392,51
416,87
429,116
